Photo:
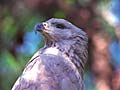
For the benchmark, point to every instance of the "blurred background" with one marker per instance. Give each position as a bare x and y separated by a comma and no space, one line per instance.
99,18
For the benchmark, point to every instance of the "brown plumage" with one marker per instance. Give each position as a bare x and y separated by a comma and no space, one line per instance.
59,65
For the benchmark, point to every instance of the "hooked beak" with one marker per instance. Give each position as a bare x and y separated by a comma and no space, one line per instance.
39,27
42,27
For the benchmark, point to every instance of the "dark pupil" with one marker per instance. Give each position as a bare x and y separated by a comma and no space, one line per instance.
60,26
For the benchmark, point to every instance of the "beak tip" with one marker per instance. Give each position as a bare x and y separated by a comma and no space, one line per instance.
35,28
38,27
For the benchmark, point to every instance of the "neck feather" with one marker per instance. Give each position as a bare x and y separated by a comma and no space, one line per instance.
75,49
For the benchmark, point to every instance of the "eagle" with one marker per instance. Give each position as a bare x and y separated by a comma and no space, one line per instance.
59,65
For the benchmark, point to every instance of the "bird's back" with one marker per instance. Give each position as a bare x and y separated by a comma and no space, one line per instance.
49,72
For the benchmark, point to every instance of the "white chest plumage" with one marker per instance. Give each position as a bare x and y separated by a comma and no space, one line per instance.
52,50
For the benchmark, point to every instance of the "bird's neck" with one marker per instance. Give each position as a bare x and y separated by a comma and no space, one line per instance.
57,48
75,50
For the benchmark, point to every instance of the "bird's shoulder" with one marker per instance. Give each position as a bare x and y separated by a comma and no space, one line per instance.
51,70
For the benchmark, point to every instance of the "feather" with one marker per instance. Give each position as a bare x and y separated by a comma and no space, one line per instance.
59,65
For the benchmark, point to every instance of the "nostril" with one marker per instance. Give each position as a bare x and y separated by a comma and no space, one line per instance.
44,24
39,27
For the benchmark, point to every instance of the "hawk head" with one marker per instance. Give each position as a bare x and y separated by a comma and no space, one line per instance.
68,38
59,29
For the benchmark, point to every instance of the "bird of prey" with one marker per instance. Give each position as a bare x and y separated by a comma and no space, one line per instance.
59,65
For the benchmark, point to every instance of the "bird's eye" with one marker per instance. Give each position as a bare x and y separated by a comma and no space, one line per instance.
61,26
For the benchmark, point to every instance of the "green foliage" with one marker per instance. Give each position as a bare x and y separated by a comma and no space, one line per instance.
70,2
10,61
104,4
9,27
108,29
9,68
59,14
